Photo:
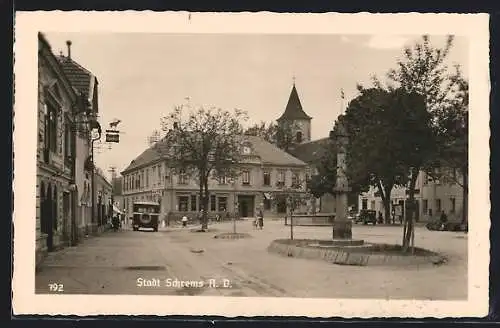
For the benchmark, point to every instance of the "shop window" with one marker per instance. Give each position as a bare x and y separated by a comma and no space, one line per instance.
183,203
212,203
193,203
222,203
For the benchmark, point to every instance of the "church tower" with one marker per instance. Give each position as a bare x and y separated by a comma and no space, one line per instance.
295,117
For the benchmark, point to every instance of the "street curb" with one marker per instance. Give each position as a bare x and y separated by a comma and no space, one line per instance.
343,257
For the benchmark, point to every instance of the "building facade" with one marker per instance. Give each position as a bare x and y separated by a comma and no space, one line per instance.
85,85
67,112
57,103
103,209
432,197
265,173
118,200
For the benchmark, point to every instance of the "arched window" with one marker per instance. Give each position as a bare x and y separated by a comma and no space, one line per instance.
298,136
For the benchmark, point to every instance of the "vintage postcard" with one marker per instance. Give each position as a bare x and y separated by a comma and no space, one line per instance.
213,163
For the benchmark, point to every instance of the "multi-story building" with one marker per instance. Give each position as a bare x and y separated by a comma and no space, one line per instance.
432,197
116,182
265,173
85,85
57,104
67,112
103,209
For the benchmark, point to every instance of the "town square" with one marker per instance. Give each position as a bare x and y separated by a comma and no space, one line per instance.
308,166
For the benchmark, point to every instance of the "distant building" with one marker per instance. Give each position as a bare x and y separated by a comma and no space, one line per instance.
295,116
432,197
265,172
104,197
118,200
305,149
311,152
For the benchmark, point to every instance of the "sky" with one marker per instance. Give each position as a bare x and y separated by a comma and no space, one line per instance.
142,76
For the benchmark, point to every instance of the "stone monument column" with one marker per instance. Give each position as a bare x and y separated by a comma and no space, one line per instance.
342,226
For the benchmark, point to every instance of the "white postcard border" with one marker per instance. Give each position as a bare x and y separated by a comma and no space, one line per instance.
28,24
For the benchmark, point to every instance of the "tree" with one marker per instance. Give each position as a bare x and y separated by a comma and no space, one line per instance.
391,139
423,70
205,145
263,130
281,135
452,132
371,160
325,178
415,144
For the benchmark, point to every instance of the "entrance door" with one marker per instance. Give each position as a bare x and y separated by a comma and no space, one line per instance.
48,218
66,220
246,205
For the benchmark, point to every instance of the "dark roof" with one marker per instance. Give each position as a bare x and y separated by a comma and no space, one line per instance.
310,152
148,156
117,185
267,152
270,154
79,76
294,109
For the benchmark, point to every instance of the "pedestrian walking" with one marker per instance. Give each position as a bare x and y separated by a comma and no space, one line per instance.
260,218
184,221
443,219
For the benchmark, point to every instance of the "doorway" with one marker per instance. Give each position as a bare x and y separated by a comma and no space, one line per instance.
281,205
66,217
46,207
246,205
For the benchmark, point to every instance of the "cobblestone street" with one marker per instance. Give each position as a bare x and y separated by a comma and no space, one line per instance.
113,263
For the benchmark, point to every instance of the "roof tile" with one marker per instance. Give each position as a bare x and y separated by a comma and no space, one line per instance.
267,152
77,75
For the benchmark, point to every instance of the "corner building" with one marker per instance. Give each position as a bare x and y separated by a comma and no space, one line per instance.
265,172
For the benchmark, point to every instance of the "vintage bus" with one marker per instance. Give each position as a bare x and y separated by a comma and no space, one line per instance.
146,215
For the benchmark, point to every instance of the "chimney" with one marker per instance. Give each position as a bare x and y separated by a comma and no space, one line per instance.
68,43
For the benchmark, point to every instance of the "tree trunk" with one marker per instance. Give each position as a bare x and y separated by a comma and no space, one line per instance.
386,200
409,213
204,224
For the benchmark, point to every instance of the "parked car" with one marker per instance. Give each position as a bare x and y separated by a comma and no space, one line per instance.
366,216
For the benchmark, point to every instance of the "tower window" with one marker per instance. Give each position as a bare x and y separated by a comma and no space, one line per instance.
298,136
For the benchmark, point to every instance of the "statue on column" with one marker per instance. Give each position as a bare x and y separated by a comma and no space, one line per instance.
341,224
